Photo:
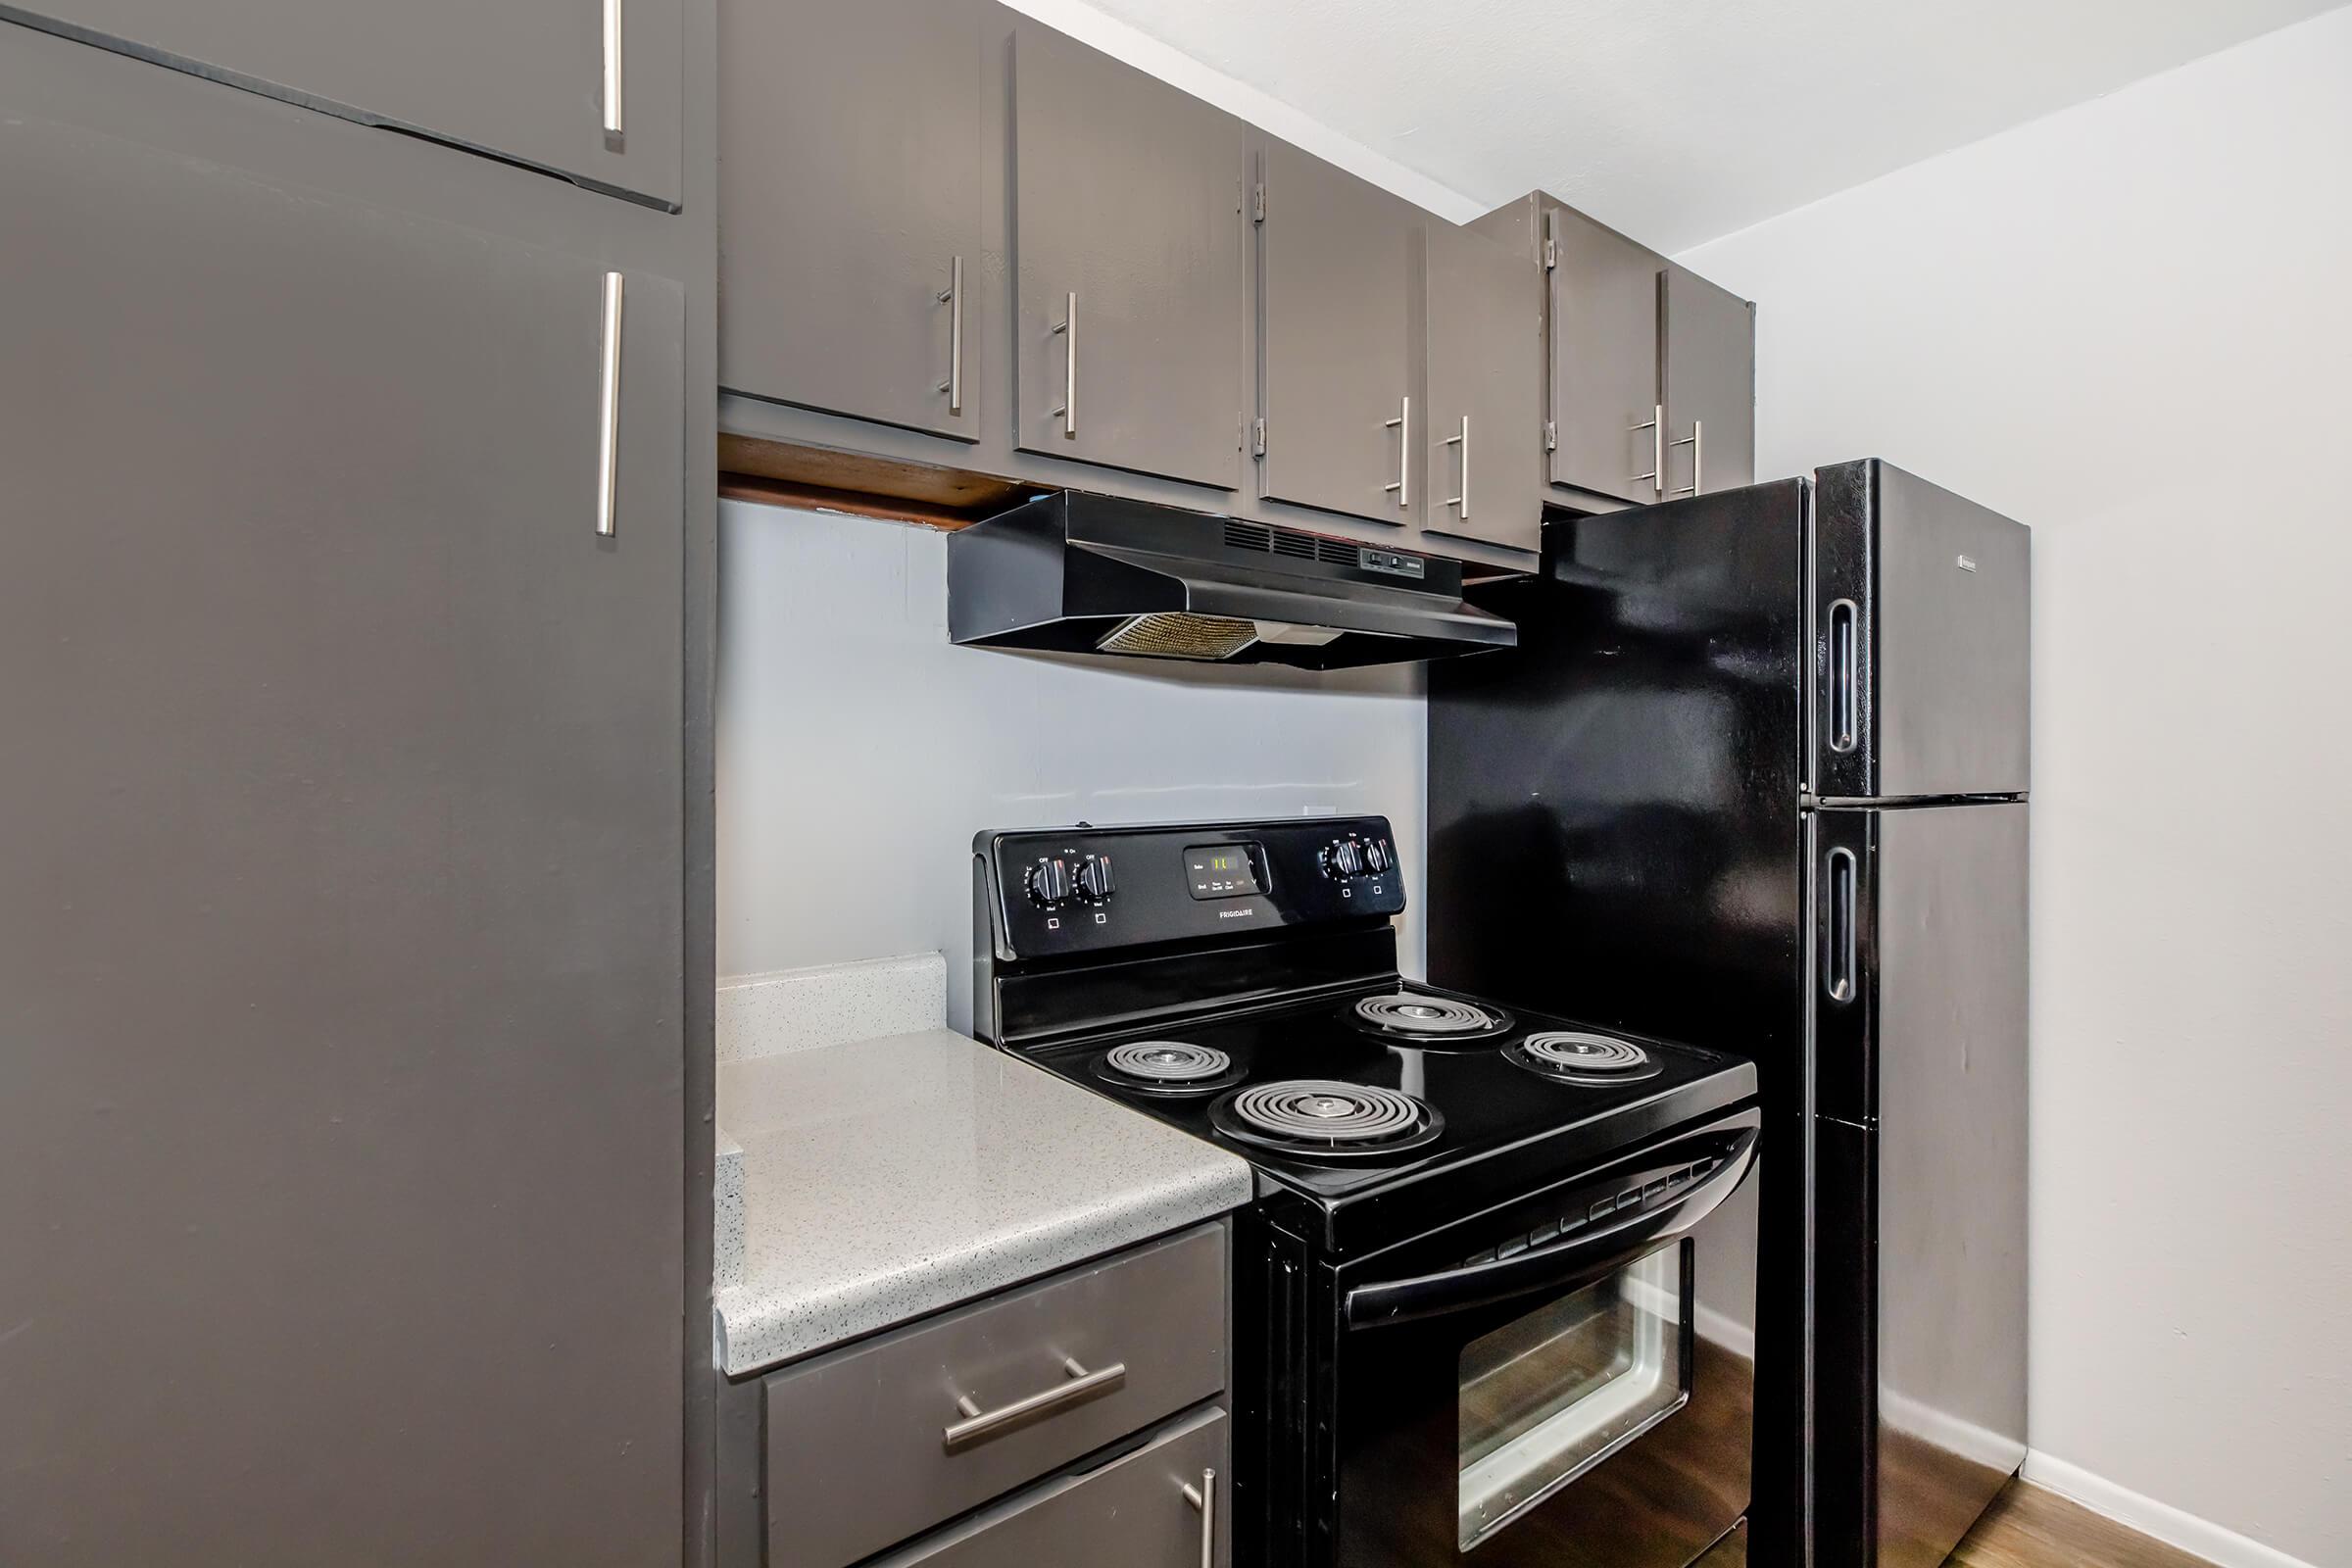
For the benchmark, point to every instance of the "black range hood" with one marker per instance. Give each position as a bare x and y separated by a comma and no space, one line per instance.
1082,573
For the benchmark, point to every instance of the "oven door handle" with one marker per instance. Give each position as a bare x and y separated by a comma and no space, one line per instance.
1589,1255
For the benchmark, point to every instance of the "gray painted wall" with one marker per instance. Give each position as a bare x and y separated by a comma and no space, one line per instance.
859,750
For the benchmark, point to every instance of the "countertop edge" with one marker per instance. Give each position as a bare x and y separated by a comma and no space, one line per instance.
751,1340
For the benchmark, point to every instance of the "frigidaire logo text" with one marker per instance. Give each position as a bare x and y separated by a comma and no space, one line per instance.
1234,915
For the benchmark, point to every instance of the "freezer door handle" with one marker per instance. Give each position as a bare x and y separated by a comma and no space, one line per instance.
1845,714
1837,966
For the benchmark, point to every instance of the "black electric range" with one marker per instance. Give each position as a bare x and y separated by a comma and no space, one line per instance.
1493,1303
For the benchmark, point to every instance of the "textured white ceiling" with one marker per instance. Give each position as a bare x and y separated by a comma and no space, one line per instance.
1679,121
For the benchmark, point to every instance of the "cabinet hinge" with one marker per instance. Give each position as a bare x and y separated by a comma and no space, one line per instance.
1552,253
1551,435
1257,438
1257,202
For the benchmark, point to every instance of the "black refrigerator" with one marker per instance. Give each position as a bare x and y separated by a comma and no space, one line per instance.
1755,777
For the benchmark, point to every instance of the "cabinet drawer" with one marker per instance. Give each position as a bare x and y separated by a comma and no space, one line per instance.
1163,1506
879,1442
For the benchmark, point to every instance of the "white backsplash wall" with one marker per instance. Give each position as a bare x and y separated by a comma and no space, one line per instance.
860,751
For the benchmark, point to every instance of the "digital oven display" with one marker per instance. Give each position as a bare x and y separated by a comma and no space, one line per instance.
1223,870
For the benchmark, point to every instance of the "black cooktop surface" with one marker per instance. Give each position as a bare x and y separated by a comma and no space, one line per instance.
1389,1128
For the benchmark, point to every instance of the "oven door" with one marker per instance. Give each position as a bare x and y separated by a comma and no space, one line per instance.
1566,1381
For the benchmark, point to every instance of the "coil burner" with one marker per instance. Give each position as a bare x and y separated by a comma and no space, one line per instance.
1582,1059
1322,1116
1428,1020
1166,1067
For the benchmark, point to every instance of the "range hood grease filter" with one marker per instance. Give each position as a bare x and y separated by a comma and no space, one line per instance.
1086,574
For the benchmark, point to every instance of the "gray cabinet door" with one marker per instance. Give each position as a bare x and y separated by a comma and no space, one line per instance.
1710,336
341,1136
1127,238
1604,359
1335,361
850,264
586,89
1483,307
1166,1504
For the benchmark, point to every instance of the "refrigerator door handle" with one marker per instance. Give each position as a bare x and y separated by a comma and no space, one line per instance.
1838,969
1845,714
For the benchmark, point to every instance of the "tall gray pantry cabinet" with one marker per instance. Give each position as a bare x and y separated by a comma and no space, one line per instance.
353,622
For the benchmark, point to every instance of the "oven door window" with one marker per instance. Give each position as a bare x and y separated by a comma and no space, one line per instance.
1549,1396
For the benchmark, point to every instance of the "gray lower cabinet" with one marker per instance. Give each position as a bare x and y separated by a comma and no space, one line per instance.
1166,1505
1336,371
1711,394
1482,449
1128,264
968,1405
591,89
341,1133
851,259
1604,399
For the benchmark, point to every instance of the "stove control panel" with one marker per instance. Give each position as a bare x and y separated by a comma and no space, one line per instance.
1046,893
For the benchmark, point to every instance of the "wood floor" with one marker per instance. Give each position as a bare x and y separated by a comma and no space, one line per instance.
2030,1527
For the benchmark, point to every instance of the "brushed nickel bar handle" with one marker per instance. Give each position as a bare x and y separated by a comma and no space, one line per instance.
1067,327
612,121
979,1425
1402,424
1697,441
1204,1499
608,412
1462,440
1839,971
953,298
1655,424
1846,675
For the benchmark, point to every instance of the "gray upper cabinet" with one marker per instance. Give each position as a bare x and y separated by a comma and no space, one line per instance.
341,1118
1651,388
850,218
1336,285
1129,265
590,90
1482,451
1605,399
1710,356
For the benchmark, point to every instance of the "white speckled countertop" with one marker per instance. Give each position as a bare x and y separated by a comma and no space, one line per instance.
880,1180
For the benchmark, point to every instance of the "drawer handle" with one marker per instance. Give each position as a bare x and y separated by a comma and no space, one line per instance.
1205,1497
978,1425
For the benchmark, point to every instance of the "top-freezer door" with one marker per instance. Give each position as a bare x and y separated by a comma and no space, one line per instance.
1920,659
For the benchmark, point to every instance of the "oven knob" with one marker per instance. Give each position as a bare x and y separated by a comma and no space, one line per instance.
1095,880
1049,883
1377,857
1342,860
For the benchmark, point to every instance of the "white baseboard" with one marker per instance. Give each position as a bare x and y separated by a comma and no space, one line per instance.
2161,1520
